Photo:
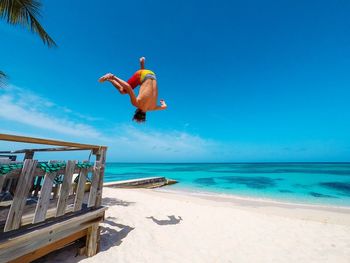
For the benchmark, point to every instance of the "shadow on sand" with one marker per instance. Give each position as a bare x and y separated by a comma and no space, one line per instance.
171,221
110,237
113,201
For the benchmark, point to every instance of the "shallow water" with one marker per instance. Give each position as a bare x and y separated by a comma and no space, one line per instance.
312,183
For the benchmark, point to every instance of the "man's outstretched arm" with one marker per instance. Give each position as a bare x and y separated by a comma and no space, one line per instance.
142,62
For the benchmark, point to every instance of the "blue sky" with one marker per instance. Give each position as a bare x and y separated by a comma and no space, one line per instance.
243,80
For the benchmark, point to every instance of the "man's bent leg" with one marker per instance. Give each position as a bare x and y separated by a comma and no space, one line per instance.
118,86
122,83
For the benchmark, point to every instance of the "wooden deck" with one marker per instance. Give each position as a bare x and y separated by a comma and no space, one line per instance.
41,208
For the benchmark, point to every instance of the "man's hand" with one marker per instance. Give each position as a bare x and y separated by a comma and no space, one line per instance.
163,104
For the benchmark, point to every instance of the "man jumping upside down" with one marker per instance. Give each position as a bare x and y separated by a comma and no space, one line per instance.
148,94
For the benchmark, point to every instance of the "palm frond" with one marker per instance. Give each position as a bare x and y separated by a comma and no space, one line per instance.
2,79
25,13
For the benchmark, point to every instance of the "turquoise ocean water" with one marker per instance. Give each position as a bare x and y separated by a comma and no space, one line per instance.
311,183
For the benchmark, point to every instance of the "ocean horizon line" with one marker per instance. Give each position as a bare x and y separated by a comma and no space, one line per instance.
292,162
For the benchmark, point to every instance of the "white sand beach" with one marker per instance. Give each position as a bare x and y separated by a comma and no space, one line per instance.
159,226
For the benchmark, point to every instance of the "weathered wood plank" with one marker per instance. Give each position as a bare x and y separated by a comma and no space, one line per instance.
50,248
24,183
94,184
18,237
65,188
15,138
29,209
44,198
91,240
79,196
39,172
58,149
27,155
97,179
102,159
2,181
29,242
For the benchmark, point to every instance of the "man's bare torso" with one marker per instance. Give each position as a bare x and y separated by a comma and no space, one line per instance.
148,95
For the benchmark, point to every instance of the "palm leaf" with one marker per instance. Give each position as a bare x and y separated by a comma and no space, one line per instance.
25,13
2,79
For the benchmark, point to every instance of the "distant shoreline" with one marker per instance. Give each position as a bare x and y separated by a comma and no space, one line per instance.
251,200
242,199
315,162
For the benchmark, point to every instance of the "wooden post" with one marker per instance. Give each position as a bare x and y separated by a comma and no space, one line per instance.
95,200
103,152
28,155
79,195
94,184
91,240
95,197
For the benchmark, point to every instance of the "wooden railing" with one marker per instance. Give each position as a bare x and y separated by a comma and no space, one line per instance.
30,195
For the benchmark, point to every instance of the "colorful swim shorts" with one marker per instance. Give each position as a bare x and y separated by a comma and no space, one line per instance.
140,76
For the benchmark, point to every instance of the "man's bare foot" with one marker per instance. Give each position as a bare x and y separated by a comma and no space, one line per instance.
105,77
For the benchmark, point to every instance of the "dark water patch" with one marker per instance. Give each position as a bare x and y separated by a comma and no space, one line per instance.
315,171
315,194
189,169
128,174
279,171
285,191
205,181
181,169
344,188
256,182
304,186
242,171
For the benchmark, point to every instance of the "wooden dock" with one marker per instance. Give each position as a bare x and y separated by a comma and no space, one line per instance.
149,182
41,208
